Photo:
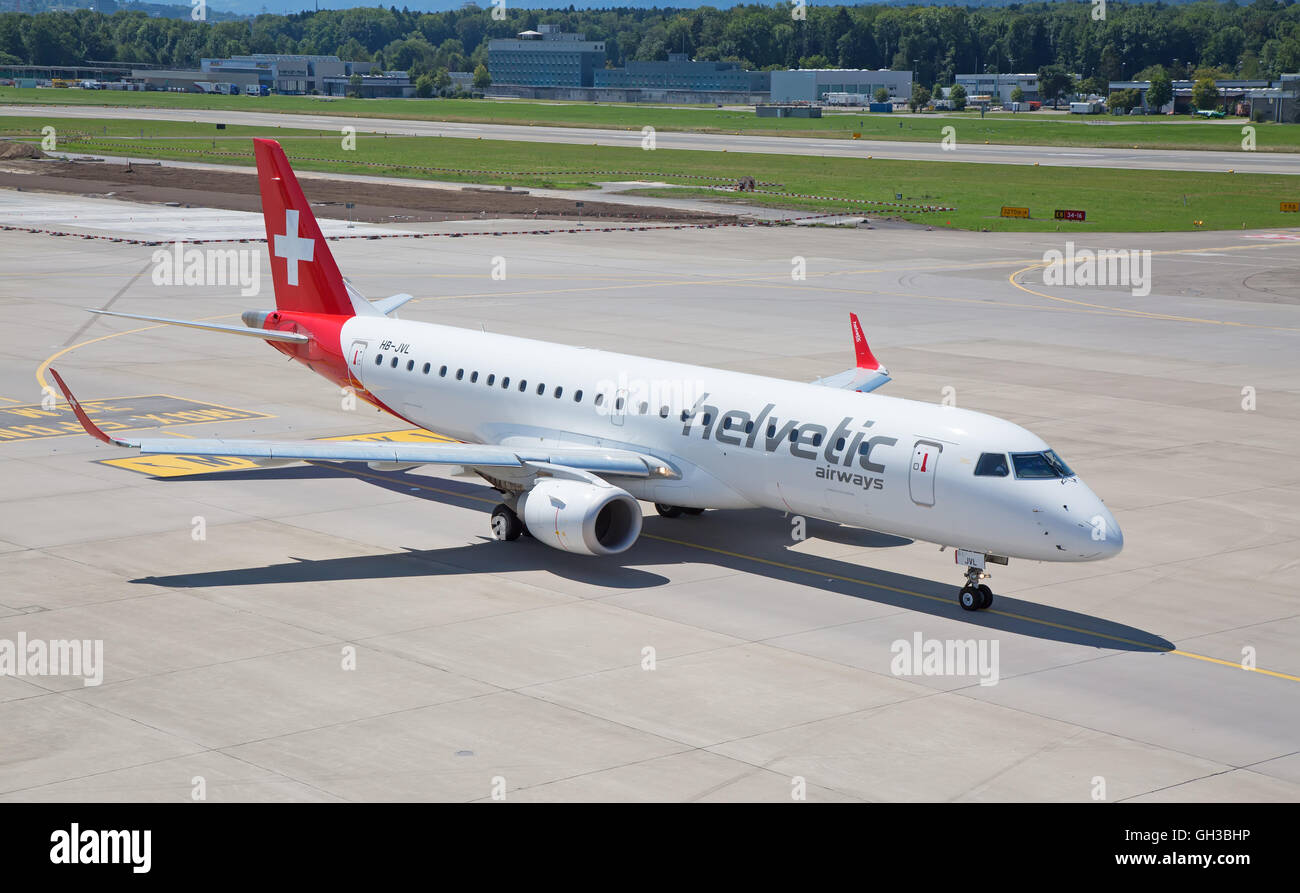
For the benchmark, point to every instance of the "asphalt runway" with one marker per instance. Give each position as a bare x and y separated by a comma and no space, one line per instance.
972,152
317,633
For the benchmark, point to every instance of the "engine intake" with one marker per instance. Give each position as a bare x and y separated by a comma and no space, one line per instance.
573,516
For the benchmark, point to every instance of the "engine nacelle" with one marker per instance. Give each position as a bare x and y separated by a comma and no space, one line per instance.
574,516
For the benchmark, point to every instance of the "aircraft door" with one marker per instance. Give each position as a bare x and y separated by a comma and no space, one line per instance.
356,358
925,461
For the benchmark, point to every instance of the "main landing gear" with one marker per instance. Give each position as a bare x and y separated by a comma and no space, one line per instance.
506,525
676,511
974,596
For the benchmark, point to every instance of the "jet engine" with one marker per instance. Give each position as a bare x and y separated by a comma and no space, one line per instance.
575,516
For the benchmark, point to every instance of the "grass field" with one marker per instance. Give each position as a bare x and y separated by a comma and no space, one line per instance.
1115,200
1032,129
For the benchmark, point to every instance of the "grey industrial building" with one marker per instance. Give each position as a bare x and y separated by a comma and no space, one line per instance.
279,73
812,84
1278,99
680,73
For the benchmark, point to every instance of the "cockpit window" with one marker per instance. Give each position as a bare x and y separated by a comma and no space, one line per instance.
1040,465
992,465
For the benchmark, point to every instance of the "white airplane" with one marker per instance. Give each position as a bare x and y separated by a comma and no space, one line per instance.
572,438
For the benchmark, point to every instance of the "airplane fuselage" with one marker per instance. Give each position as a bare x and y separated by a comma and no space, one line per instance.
738,440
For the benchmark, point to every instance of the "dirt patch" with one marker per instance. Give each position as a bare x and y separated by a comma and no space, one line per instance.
11,150
236,190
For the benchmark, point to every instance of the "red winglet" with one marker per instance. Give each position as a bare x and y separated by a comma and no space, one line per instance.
866,359
91,428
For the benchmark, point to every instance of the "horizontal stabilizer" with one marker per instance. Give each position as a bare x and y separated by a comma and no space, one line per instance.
264,334
389,304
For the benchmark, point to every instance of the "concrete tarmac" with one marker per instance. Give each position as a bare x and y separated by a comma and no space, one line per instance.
972,152
317,633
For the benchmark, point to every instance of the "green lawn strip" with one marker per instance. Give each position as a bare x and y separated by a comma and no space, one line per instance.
1115,200
1033,128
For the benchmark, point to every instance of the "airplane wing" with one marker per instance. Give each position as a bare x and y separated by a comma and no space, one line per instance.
471,455
867,375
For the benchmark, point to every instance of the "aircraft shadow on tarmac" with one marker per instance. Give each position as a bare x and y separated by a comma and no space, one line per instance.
718,538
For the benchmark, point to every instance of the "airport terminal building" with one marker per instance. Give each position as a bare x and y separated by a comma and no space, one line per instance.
546,58
553,64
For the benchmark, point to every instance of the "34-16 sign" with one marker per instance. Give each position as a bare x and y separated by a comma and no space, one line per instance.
1293,207
1064,214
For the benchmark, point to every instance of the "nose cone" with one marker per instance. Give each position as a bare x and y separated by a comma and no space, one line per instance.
1097,534
1108,538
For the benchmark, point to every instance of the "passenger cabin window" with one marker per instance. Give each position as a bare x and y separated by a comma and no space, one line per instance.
558,392
460,374
427,367
410,365
541,389
505,382
663,412
491,379
991,465
600,398
523,385
577,396
394,363
442,372
1040,465
473,377
379,359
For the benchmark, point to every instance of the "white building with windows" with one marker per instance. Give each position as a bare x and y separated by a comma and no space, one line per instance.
1000,86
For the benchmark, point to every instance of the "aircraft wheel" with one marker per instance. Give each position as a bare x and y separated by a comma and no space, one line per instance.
506,525
667,511
986,597
970,598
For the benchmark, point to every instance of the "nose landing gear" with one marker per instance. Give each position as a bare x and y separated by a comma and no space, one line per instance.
974,596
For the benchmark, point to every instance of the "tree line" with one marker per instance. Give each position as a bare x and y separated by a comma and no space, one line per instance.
1254,41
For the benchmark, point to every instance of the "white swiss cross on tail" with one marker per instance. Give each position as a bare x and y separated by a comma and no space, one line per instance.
292,247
